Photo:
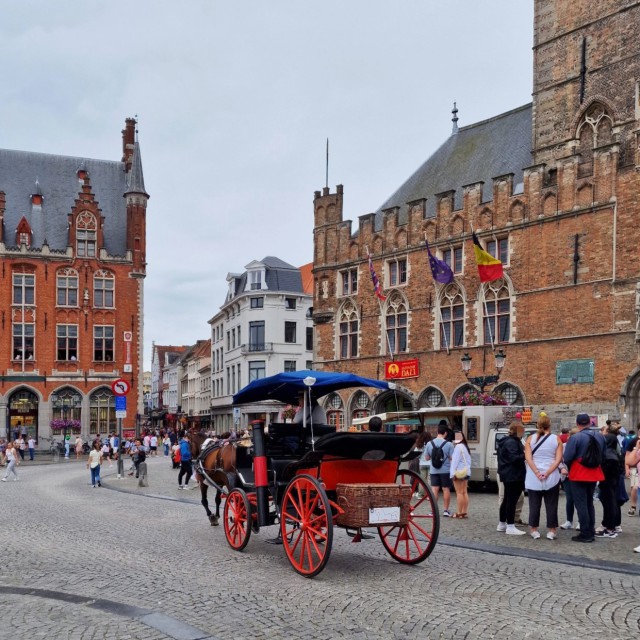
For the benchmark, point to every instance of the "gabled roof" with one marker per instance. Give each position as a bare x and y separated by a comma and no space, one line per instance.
162,350
279,276
58,182
478,152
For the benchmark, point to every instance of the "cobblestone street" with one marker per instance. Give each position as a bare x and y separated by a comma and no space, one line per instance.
129,562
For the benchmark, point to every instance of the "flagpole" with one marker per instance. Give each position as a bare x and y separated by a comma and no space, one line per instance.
382,318
486,310
435,287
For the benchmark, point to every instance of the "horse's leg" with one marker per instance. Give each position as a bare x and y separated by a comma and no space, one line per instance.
216,518
204,490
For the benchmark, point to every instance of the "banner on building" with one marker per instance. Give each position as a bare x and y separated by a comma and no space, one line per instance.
401,369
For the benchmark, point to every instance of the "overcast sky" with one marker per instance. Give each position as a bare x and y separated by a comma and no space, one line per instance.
235,101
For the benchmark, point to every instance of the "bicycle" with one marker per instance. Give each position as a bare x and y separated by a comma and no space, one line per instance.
55,448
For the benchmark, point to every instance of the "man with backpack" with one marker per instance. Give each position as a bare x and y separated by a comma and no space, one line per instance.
439,452
583,456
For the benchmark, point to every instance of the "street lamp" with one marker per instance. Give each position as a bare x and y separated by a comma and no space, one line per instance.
483,381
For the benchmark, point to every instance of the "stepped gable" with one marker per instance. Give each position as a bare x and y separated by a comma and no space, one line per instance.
476,153
58,180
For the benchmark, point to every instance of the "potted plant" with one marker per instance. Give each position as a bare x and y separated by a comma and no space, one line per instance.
288,413
480,398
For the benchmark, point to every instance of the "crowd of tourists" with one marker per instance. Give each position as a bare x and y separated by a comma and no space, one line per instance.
585,462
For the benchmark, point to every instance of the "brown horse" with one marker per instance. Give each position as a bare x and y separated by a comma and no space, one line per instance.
215,466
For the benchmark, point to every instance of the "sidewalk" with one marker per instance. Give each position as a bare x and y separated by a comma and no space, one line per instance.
477,532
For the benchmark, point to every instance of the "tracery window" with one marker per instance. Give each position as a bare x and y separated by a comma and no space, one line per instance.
102,412
396,324
348,327
497,312
595,130
451,317
86,234
67,288
103,290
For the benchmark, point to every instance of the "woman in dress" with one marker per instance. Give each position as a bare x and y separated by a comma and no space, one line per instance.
460,472
78,447
543,453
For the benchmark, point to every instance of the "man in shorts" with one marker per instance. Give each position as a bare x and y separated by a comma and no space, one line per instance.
440,476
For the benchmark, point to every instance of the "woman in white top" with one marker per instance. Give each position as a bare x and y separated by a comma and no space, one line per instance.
93,464
543,453
460,471
11,455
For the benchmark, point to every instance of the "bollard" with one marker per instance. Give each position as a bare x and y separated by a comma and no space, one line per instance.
142,473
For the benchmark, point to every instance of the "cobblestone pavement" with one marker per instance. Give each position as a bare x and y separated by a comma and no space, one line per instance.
143,563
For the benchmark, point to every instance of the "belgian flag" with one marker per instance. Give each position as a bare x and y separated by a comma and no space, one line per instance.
489,268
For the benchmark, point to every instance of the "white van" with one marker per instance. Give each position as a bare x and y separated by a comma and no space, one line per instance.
482,426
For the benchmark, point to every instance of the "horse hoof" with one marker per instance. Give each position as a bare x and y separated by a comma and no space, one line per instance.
214,521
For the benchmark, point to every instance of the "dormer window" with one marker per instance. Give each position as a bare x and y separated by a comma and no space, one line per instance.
86,233
23,233
255,278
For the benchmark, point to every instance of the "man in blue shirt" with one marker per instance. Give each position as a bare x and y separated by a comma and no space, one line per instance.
440,473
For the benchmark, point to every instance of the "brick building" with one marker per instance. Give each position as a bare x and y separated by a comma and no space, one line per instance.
552,188
73,251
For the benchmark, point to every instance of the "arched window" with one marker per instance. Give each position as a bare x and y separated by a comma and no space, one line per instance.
497,312
103,289
511,394
102,412
595,130
66,405
396,321
86,232
348,327
335,413
67,288
458,395
451,317
432,397
360,405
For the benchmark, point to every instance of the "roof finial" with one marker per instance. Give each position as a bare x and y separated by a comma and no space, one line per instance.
455,118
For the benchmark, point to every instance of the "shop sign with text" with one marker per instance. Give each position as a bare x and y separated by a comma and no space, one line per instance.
401,369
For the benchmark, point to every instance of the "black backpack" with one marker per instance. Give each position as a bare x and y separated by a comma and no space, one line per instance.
592,457
437,455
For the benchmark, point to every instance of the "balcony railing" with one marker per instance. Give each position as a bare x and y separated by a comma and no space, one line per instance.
257,347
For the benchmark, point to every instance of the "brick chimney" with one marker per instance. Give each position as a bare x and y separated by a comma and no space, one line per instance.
128,141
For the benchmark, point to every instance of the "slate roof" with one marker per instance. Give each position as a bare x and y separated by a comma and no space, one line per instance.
58,182
478,152
279,276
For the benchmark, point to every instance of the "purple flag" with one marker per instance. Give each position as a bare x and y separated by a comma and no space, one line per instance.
440,270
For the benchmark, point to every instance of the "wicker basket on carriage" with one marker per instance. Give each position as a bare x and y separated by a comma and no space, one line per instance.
365,505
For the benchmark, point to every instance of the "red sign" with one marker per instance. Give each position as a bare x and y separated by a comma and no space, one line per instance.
121,387
401,369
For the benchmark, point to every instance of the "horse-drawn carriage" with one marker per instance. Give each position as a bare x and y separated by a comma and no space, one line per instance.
308,478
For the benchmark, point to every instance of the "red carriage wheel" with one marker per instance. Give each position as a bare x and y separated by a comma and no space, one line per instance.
237,519
412,543
306,525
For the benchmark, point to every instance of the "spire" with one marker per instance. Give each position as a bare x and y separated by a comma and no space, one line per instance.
454,119
136,178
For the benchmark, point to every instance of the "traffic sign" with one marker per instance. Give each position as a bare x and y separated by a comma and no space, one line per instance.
121,403
121,387
121,414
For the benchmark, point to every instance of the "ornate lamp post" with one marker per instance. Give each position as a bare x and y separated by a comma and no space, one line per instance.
482,381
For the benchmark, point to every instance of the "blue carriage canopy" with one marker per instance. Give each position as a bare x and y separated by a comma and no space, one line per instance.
286,387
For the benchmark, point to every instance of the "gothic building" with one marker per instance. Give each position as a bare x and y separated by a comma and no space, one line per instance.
73,252
552,190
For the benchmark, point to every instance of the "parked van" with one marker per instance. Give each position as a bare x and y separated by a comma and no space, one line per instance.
482,426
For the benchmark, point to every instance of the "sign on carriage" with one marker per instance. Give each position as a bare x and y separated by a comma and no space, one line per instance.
401,369
384,515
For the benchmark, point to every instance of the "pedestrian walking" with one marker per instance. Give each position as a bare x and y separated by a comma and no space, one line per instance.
612,465
21,446
631,464
31,443
583,477
439,453
166,443
185,462
78,447
93,464
511,467
11,455
543,455
460,473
